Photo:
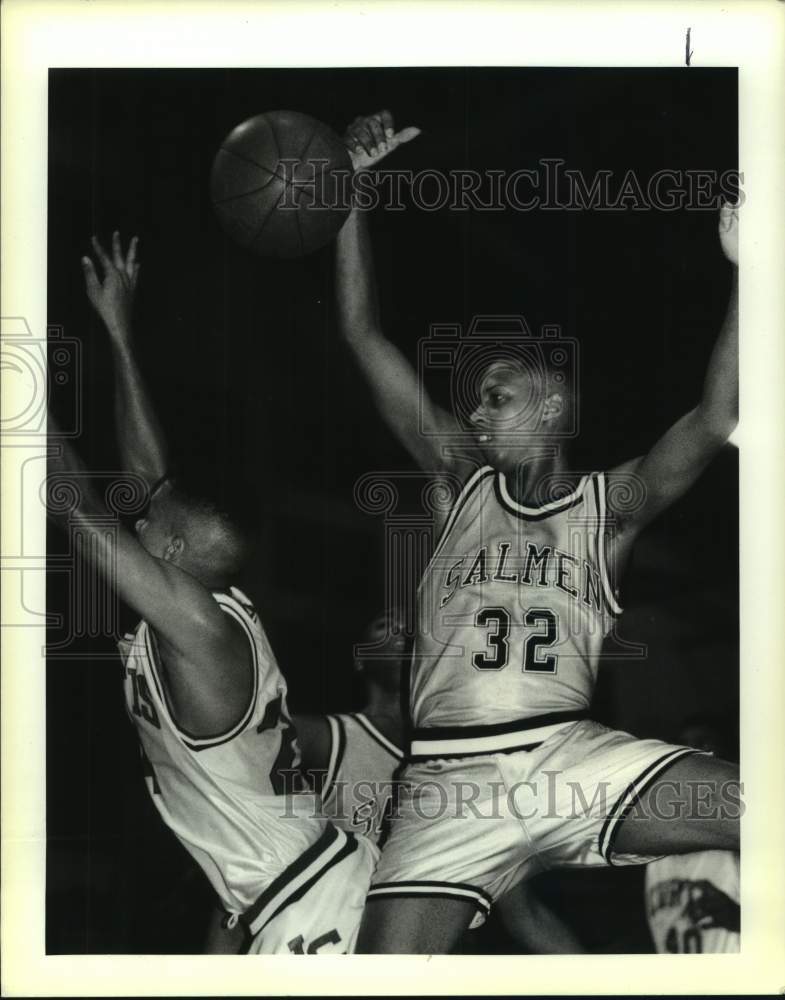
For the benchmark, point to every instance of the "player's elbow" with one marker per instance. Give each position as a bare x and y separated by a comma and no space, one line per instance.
716,421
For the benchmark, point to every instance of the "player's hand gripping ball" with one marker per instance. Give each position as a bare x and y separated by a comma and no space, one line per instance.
279,184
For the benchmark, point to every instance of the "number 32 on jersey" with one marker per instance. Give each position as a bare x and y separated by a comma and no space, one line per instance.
536,658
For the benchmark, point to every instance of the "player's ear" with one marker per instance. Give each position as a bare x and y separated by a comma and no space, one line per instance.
553,408
174,549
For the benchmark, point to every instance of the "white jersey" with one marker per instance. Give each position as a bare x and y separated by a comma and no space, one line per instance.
513,608
358,786
223,796
678,899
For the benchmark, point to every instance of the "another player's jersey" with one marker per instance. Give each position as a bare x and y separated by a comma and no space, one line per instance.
688,899
513,607
225,796
358,785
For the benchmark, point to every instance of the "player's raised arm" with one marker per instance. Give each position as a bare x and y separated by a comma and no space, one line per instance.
684,451
207,657
393,380
141,440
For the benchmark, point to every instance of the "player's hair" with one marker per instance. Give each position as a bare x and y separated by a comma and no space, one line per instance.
217,545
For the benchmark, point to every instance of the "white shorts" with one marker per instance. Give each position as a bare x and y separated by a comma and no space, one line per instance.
315,906
473,827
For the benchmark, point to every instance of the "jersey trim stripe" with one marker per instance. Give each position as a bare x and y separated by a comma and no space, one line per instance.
337,750
378,736
470,485
610,597
198,743
431,889
292,884
507,501
624,804
505,737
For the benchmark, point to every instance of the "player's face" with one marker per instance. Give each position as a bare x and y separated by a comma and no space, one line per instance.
509,411
383,666
386,634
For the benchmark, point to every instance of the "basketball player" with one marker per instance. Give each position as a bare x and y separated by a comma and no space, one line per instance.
513,609
692,900
351,759
203,687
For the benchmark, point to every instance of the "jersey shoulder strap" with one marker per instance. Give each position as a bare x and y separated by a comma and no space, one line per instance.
336,755
377,735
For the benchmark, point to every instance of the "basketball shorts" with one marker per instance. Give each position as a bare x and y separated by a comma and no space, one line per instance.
473,827
315,906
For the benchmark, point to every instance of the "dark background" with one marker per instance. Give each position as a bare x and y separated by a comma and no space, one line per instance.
255,391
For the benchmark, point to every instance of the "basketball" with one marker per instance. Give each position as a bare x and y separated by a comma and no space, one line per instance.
277,184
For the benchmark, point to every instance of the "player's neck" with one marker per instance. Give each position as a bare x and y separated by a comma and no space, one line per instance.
540,479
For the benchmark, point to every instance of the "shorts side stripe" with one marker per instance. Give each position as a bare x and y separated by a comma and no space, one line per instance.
294,881
631,794
349,847
431,889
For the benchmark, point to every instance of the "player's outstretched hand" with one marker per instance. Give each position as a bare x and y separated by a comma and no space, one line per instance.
729,232
370,138
112,298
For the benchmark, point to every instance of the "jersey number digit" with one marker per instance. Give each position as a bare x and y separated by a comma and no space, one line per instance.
496,655
532,660
283,765
143,706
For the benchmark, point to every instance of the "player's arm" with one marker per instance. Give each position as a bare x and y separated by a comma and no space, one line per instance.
207,658
392,378
142,443
534,926
315,740
684,451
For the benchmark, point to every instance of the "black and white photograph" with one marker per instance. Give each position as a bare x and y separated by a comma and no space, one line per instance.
389,454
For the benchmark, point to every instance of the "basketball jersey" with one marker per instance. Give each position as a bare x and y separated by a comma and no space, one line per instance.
513,607
358,785
671,885
224,796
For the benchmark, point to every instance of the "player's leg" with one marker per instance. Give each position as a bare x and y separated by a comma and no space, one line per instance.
693,805
427,926
454,847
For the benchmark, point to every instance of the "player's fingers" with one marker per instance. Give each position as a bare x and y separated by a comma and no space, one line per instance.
387,123
362,137
91,278
130,260
134,276
117,251
406,135
101,254
376,129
